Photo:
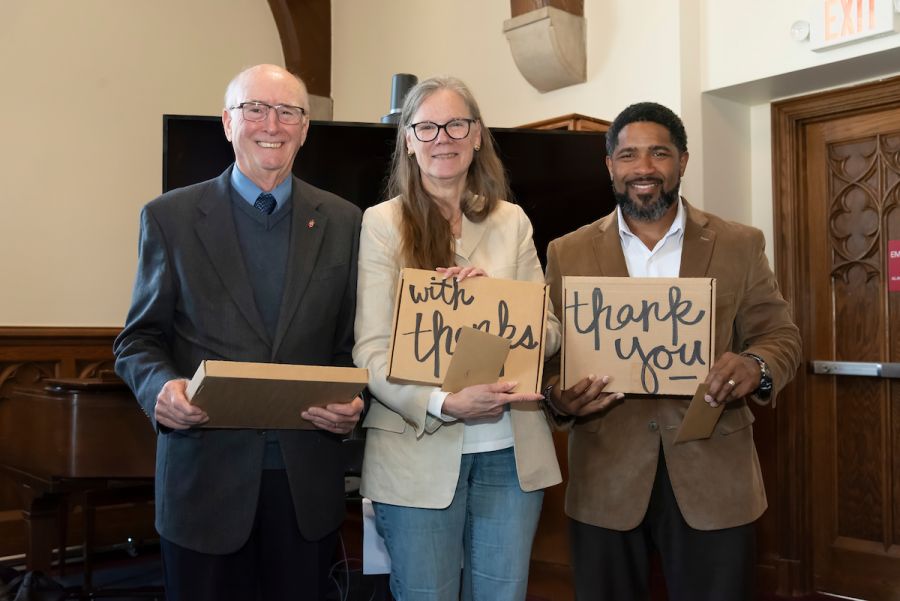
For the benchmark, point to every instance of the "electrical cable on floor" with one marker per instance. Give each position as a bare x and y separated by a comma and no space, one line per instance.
343,591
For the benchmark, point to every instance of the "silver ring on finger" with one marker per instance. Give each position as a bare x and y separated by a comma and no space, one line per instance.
731,383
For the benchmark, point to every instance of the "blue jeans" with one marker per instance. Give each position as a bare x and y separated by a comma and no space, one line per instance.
487,531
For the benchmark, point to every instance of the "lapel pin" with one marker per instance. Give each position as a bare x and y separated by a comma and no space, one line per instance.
310,224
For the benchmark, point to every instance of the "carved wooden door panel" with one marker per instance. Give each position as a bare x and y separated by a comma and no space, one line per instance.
853,211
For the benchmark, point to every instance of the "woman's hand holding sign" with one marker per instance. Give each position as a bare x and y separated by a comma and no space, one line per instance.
484,400
461,273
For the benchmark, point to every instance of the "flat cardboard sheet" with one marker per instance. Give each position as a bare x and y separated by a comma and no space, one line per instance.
430,311
269,395
478,359
649,335
700,419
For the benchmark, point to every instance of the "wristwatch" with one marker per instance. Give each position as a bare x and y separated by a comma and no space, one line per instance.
548,391
765,376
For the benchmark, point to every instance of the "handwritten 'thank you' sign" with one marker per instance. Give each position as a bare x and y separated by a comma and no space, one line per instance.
649,335
430,311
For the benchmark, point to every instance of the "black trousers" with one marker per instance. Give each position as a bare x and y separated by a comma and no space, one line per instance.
275,564
698,565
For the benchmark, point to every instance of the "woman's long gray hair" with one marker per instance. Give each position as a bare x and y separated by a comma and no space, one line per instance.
427,241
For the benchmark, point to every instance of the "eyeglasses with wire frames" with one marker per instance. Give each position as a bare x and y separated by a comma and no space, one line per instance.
457,129
259,111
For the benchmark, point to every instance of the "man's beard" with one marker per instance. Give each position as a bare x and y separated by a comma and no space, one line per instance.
649,211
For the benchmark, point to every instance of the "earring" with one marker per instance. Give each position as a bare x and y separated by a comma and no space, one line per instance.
410,152
477,147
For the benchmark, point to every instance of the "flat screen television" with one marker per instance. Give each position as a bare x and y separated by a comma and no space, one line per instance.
558,177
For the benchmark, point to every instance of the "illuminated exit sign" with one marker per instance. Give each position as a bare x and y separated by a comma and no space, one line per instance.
838,22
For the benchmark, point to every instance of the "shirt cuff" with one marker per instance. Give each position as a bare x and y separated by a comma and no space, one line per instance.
436,404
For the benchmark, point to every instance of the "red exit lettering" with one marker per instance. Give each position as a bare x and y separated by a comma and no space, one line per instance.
856,16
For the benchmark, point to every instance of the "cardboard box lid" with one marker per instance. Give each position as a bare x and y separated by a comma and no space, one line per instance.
269,395
649,335
430,311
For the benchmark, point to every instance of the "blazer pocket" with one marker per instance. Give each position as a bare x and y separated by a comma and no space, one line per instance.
734,420
382,418
189,433
329,272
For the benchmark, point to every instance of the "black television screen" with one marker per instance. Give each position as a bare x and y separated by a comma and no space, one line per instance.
558,177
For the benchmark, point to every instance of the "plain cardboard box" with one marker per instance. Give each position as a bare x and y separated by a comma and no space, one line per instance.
649,335
430,311
269,395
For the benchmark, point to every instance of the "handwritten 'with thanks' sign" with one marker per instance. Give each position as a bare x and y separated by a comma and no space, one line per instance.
430,311
649,335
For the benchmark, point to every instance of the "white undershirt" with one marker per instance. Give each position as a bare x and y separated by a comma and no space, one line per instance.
661,261
479,436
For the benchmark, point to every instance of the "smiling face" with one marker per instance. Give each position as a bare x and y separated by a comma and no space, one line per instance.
265,150
646,169
443,161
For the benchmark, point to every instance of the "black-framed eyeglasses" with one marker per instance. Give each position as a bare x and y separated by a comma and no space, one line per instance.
259,111
426,131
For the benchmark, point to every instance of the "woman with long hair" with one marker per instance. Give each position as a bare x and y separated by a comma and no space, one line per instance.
456,479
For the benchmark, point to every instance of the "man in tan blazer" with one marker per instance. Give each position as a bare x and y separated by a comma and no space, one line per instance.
631,489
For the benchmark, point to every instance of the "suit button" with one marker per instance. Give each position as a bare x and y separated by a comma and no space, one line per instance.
653,426
261,432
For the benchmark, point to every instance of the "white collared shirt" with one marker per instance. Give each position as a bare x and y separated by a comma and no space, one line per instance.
661,261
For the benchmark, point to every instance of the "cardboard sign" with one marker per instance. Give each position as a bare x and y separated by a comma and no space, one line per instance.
430,311
649,335
269,395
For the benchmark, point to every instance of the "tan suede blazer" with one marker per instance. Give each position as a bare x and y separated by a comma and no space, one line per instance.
412,458
613,455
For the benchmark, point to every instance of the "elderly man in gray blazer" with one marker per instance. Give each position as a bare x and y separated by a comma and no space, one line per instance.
254,265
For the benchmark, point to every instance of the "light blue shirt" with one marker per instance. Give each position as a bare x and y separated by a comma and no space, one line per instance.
249,191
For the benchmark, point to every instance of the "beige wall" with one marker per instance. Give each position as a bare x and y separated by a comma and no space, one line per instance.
632,50
96,76
719,64
750,60
83,150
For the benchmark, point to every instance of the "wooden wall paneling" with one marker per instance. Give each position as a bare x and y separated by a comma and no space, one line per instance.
27,356
520,7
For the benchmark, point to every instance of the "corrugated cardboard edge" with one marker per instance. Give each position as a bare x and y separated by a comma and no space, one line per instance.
541,347
712,323
196,382
562,341
395,319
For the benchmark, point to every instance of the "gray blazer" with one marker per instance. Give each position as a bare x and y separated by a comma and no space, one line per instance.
193,301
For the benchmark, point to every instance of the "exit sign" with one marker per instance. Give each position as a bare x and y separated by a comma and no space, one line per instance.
838,22
894,265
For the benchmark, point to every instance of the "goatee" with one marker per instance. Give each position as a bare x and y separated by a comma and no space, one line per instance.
649,210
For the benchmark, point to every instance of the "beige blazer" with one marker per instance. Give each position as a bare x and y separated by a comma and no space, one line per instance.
411,457
613,455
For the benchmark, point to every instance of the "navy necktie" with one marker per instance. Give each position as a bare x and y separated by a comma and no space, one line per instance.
265,203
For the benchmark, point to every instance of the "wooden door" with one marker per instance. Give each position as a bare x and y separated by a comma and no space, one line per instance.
844,211
854,188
